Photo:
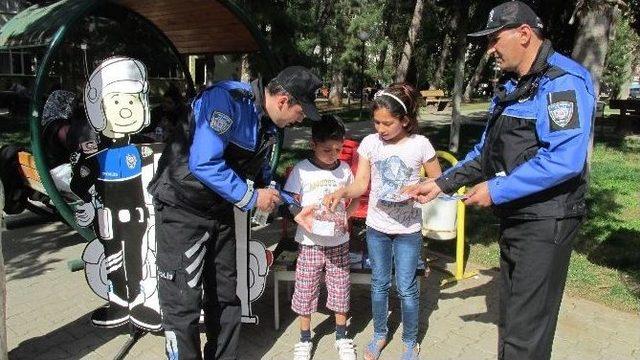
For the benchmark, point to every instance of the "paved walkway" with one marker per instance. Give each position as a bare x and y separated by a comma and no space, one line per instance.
49,309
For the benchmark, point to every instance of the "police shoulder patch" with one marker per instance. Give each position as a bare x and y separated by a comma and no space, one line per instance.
220,122
89,147
562,108
131,161
146,151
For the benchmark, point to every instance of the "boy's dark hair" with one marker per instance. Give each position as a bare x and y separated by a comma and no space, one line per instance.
329,127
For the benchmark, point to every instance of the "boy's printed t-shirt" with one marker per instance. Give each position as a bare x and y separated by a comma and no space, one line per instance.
392,167
313,183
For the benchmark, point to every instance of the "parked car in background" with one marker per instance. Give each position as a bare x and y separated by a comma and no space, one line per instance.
634,90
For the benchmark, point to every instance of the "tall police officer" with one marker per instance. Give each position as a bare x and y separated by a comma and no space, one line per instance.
530,165
202,175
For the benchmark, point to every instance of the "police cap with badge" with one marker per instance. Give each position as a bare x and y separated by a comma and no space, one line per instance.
561,106
301,84
509,15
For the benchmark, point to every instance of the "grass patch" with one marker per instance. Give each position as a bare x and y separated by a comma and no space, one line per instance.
474,107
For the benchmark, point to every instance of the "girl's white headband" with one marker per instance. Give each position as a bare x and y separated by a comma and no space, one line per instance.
383,93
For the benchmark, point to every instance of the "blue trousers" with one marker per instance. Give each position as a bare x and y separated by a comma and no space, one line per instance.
386,252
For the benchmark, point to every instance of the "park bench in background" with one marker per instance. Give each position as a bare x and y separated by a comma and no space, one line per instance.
629,118
37,200
629,107
29,172
435,99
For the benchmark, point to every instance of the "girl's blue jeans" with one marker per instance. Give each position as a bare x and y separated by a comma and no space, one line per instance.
386,252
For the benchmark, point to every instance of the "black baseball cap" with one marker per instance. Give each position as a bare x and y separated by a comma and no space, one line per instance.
301,84
507,15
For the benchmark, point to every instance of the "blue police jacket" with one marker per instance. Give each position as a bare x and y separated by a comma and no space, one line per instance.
119,163
222,119
534,148
230,142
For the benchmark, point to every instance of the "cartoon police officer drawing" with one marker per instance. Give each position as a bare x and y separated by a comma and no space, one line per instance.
109,177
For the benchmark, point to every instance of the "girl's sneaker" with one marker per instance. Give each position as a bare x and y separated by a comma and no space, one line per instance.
346,349
302,350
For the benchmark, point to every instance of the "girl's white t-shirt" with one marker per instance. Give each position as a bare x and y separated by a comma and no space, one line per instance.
312,184
392,167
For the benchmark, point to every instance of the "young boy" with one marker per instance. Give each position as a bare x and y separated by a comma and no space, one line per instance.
310,180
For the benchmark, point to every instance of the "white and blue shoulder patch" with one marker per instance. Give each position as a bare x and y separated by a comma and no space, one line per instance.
562,108
220,122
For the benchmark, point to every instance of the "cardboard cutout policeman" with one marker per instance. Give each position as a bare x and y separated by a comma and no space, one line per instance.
109,177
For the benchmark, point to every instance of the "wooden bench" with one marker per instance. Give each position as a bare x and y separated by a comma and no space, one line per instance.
626,107
29,172
435,98
629,119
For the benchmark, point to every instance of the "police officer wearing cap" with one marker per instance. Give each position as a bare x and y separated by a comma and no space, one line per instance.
530,166
220,163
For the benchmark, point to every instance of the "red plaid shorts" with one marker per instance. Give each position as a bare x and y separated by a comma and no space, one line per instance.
311,261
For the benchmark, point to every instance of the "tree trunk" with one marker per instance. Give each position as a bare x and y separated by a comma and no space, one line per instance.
381,60
590,48
592,40
626,87
477,74
335,94
245,69
460,53
444,57
403,67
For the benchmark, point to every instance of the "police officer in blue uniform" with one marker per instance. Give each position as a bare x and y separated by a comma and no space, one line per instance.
202,175
531,167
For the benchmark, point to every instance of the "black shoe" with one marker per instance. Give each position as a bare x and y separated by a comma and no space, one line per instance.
146,318
109,316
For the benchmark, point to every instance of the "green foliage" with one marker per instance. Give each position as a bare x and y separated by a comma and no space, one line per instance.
621,53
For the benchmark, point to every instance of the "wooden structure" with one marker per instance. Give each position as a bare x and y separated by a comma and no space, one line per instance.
52,34
199,26
435,99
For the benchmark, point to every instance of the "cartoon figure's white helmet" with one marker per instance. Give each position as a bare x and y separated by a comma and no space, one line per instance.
116,74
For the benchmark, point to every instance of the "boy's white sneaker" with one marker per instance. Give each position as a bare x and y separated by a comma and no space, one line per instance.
302,350
346,349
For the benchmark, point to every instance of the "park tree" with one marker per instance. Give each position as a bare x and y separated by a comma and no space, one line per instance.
476,77
461,13
407,50
464,11
597,23
620,58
